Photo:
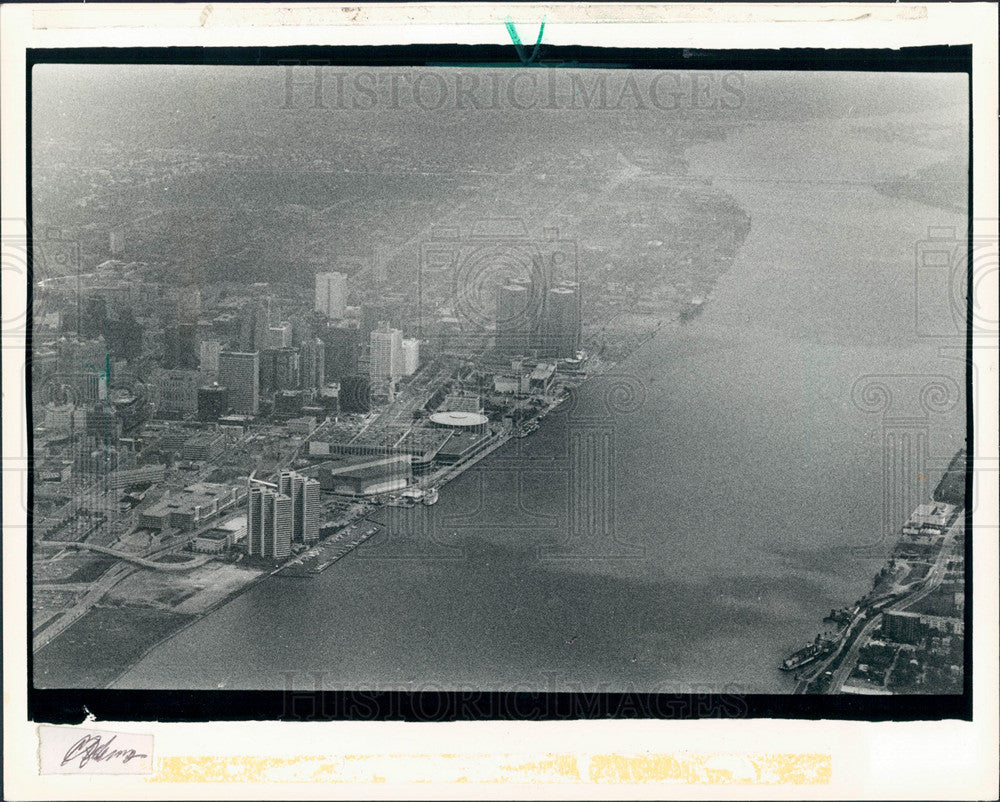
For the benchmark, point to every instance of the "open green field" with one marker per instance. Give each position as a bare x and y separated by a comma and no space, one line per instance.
93,651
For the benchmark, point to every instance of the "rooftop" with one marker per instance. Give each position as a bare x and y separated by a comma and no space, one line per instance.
459,419
543,370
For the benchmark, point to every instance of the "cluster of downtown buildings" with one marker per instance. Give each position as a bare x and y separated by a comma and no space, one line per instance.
286,375
137,382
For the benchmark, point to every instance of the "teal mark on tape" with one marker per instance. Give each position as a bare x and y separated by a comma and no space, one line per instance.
512,31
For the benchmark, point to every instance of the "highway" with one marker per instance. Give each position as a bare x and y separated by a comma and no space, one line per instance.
98,589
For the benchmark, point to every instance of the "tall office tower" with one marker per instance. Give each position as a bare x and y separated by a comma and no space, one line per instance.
269,523
253,327
82,369
210,350
517,318
177,392
279,336
386,358
124,335
313,364
279,370
411,357
331,294
239,373
561,323
213,401
342,346
74,355
116,242
180,345
288,369
304,493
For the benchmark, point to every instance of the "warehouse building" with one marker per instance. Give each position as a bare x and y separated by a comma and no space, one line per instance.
366,476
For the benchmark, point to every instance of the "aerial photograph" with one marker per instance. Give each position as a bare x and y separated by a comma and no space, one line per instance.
545,379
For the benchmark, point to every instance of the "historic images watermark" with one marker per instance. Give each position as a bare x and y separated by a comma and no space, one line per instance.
906,406
548,695
948,263
319,86
45,264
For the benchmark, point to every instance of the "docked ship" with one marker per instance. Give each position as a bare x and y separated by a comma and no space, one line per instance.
527,429
810,653
431,496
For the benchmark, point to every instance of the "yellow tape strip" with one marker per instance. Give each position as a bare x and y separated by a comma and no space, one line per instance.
700,769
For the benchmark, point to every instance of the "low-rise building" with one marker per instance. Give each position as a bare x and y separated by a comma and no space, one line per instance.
363,476
303,426
203,446
214,541
191,507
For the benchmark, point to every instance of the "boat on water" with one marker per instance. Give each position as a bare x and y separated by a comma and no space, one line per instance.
431,496
810,653
527,429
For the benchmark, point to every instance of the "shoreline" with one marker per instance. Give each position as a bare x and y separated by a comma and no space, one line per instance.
216,605
886,595
603,367
684,308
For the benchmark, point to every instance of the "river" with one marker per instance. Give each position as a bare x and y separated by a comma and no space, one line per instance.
719,488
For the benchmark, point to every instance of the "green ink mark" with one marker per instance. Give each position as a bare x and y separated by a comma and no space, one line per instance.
512,31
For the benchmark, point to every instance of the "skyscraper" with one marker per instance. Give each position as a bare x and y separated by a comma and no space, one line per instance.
269,523
411,357
355,393
386,359
560,328
254,324
313,364
331,294
342,346
517,318
280,369
180,345
304,493
279,336
210,350
93,317
177,392
239,373
213,401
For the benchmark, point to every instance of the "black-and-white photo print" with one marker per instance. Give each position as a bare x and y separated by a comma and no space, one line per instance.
537,379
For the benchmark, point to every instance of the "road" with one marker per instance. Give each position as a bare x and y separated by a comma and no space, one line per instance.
410,399
928,585
134,558
98,589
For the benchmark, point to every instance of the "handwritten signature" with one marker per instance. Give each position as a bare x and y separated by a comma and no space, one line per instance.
91,748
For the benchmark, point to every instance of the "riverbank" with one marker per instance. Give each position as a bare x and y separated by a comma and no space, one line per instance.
916,567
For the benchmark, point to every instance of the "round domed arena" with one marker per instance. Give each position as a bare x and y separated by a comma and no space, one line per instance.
464,421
